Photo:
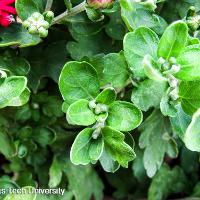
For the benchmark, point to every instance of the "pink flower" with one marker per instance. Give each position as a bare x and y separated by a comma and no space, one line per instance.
6,12
100,3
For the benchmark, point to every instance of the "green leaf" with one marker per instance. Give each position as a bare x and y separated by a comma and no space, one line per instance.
167,181
115,27
22,99
136,45
89,184
116,147
55,173
148,94
108,164
44,135
27,7
16,35
78,80
26,195
79,113
189,94
132,13
173,40
52,106
115,70
180,122
11,88
192,134
85,149
15,65
107,96
124,116
155,138
7,147
189,61
91,45
167,107
45,62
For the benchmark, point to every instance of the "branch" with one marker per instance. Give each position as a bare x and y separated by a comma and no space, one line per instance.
77,9
48,5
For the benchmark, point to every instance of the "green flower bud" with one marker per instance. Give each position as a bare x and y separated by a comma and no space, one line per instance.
92,104
32,29
45,24
37,16
43,32
49,14
26,24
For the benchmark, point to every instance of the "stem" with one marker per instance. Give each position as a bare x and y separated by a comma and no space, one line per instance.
49,5
77,9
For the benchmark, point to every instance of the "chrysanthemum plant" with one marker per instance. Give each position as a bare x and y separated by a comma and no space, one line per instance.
90,88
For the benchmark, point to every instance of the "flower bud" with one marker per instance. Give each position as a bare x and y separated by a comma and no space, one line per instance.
49,14
37,16
100,3
92,104
44,24
174,94
26,24
43,32
32,29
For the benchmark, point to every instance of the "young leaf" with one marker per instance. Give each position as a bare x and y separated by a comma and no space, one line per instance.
191,137
79,113
124,116
116,147
107,96
78,80
11,88
189,93
189,60
153,140
173,40
85,149
148,94
136,45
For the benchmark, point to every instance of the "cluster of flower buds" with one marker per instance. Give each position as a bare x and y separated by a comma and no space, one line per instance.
98,108
149,4
169,68
102,111
192,19
37,24
100,4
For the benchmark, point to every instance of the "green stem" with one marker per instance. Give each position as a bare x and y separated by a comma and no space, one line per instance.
77,9
49,5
